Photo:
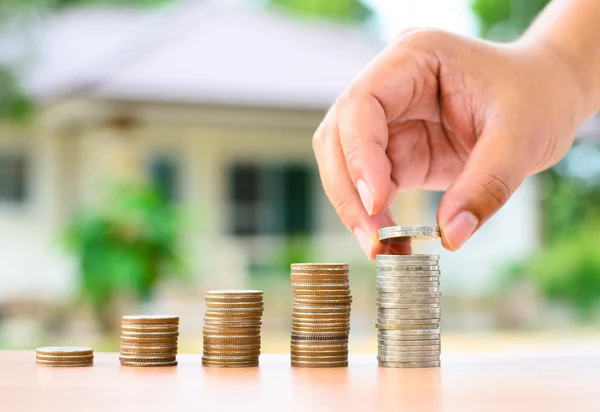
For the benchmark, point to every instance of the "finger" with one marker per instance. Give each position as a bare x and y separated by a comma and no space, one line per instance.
341,191
496,168
385,91
364,138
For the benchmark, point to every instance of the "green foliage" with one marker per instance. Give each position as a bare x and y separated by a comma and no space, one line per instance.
13,103
66,3
126,247
505,19
341,10
568,270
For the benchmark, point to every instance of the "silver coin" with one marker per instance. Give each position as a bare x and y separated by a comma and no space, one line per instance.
390,342
402,258
408,279
409,334
383,312
411,348
431,364
431,287
407,268
408,290
401,274
384,295
409,321
412,233
407,358
389,298
408,354
407,305
399,283
408,227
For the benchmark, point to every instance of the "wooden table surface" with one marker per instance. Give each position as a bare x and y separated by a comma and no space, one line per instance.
482,383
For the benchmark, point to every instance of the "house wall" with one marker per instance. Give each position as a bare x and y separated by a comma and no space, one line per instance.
78,147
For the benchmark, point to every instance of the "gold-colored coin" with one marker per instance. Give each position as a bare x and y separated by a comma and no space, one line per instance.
64,362
149,335
319,337
301,364
319,279
164,346
218,314
313,352
234,305
231,340
232,347
229,364
64,365
148,364
128,340
145,328
153,319
295,266
83,358
147,359
65,350
320,346
318,291
233,293
319,358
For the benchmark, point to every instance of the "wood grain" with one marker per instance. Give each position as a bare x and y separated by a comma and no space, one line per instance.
544,382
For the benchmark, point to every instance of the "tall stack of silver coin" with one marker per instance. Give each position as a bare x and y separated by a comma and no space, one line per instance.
408,302
321,315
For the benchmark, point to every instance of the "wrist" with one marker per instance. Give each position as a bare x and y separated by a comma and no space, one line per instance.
571,80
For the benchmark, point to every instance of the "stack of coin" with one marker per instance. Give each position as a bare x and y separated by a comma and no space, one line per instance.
149,340
64,356
232,328
321,315
408,302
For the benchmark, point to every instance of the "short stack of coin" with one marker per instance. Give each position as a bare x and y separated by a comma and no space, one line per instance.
64,356
232,328
149,340
408,303
321,315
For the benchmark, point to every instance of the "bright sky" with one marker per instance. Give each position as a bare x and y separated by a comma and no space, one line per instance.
451,15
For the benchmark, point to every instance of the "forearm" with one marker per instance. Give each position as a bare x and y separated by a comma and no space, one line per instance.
571,30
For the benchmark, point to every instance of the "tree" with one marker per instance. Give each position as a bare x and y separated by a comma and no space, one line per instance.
341,10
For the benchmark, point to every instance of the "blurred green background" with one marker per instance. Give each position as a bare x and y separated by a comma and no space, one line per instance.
146,157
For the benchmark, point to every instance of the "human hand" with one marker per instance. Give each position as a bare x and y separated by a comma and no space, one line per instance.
437,111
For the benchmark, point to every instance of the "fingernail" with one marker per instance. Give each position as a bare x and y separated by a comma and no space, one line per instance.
364,241
365,195
460,228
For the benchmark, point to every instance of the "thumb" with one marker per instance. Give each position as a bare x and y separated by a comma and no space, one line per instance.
495,169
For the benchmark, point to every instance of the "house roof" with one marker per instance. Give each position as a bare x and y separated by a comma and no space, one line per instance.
198,52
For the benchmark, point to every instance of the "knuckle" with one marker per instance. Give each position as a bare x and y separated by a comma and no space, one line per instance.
344,100
353,154
496,189
341,206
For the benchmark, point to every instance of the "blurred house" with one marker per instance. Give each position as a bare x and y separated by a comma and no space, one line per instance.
218,105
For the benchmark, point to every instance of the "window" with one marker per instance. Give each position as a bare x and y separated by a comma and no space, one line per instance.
165,176
270,199
14,178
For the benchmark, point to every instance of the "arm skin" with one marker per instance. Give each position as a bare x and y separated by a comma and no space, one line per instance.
571,30
437,111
